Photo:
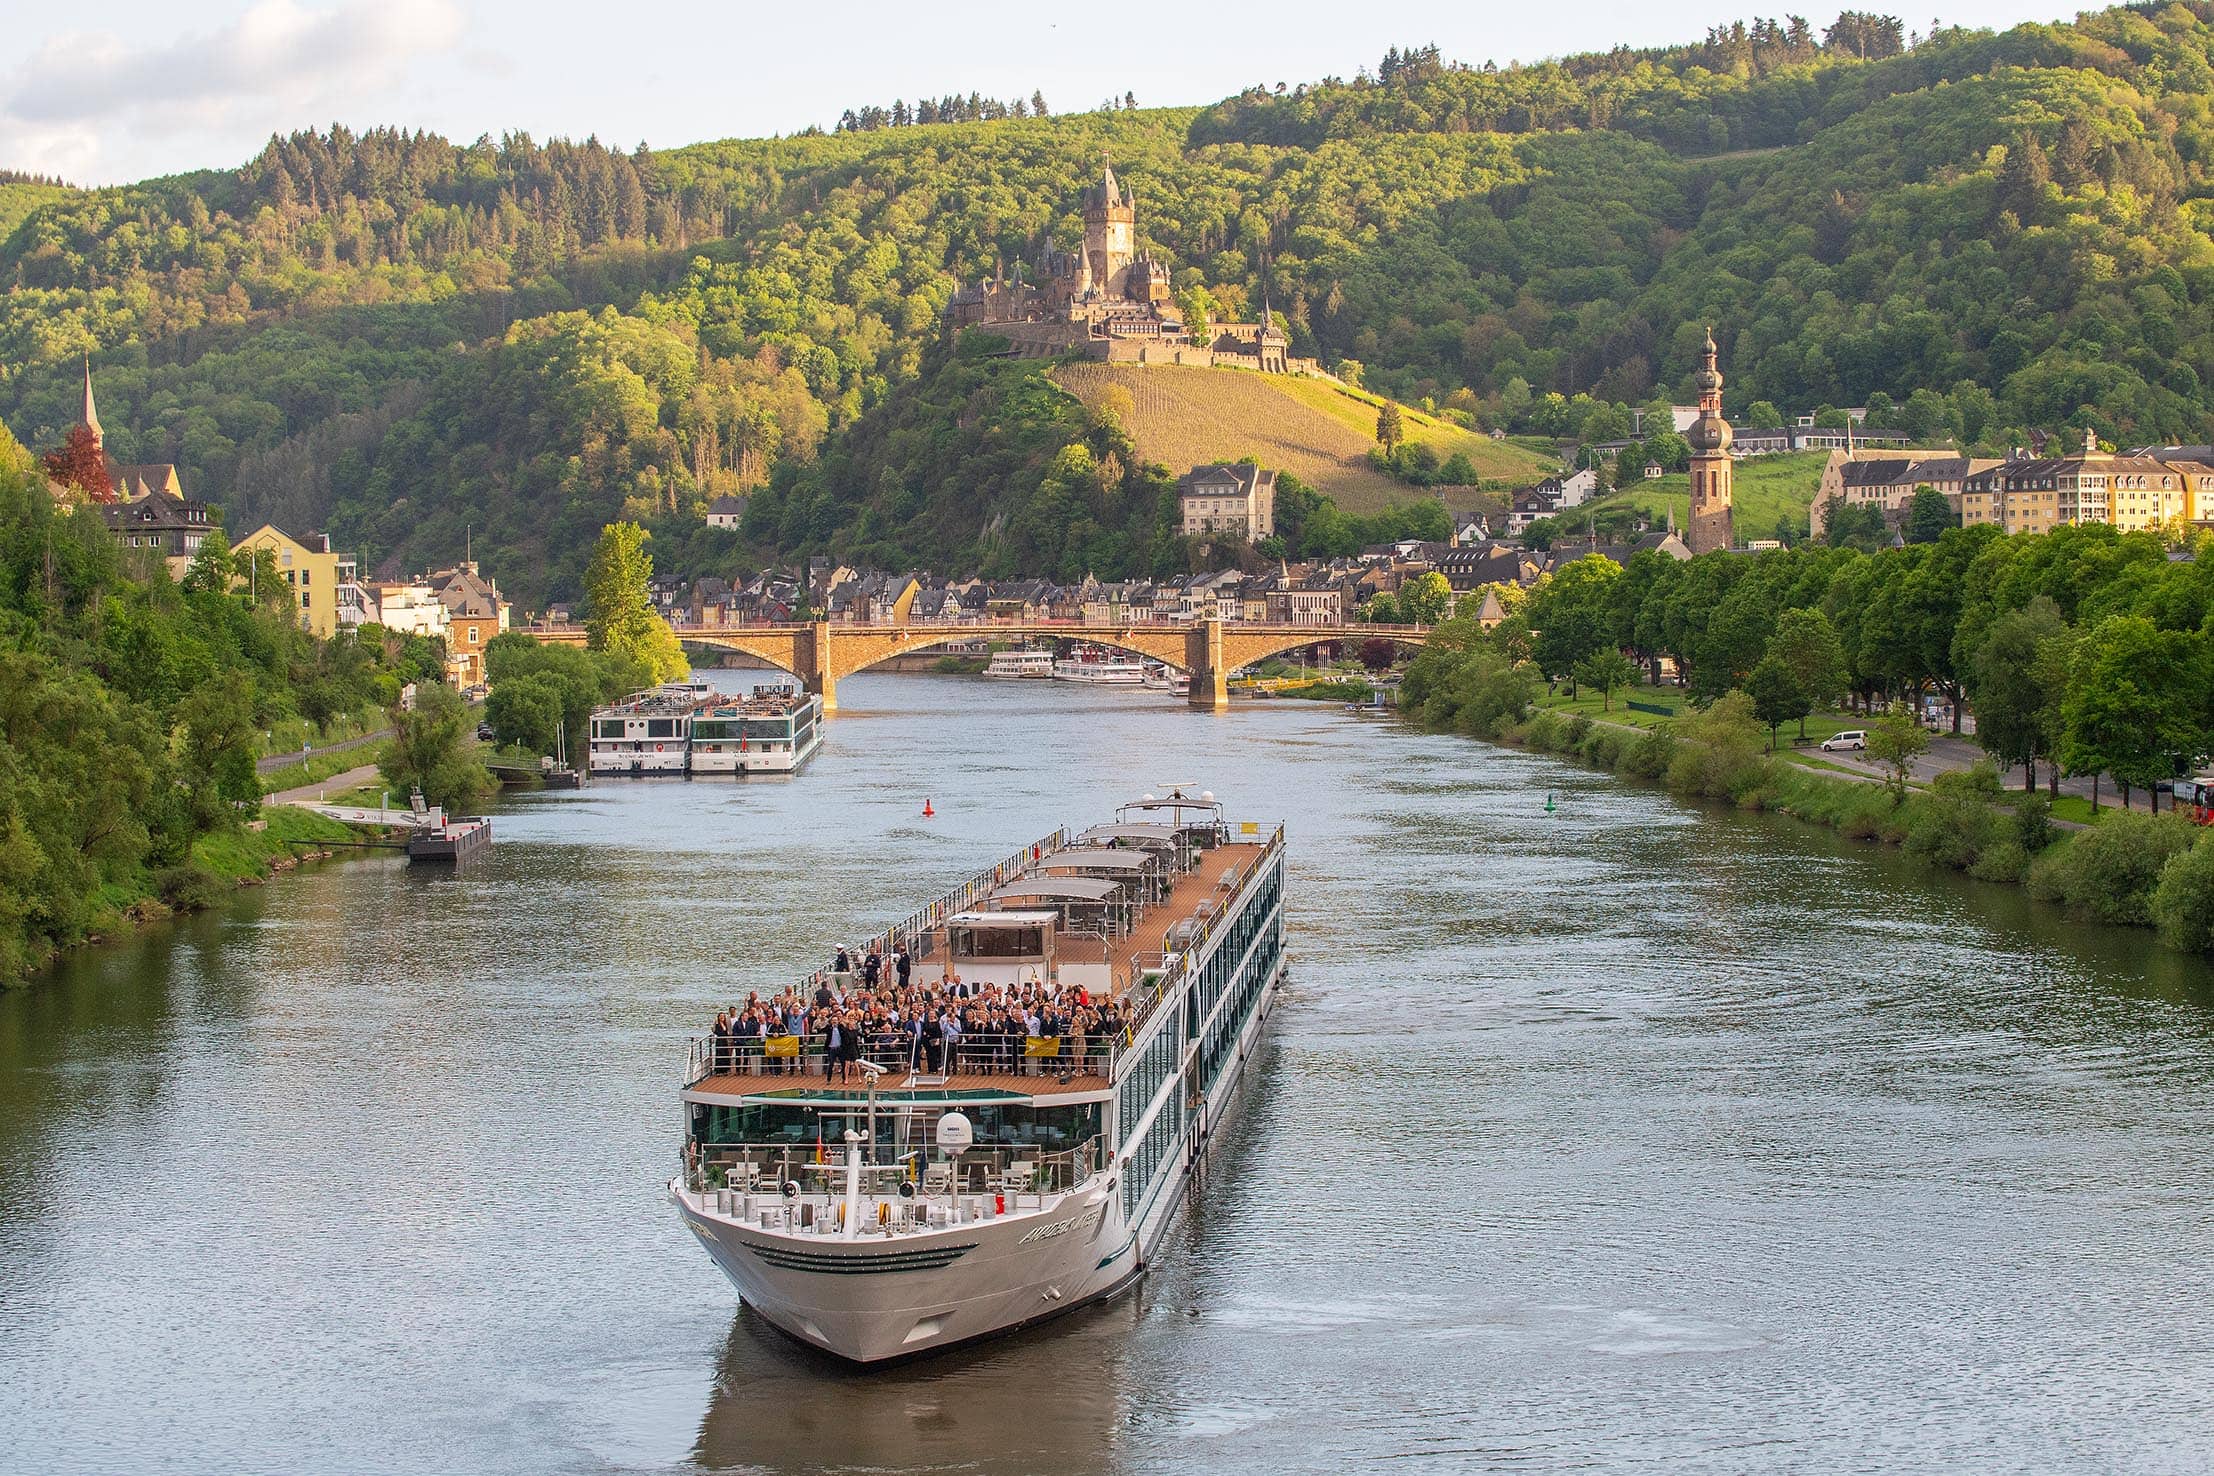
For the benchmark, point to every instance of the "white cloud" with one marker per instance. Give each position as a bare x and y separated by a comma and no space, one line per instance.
81,100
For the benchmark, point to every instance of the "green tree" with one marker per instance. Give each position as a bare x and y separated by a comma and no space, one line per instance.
1928,516
1425,599
1807,643
1572,615
2013,705
623,620
433,749
2135,702
2183,903
1381,609
220,745
1606,670
527,711
1895,741
1763,415
1777,695
1390,426
211,569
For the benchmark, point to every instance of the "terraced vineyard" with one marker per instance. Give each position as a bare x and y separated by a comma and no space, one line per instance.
1309,427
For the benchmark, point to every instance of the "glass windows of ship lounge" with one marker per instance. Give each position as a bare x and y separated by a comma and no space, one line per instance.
1152,1064
1021,1124
1256,937
1144,1159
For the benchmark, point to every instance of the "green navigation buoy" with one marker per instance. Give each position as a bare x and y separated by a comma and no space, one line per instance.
1549,802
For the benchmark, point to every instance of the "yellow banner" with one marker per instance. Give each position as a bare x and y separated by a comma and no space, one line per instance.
781,1045
1046,1046
1249,827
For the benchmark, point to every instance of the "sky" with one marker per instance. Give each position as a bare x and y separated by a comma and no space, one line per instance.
131,89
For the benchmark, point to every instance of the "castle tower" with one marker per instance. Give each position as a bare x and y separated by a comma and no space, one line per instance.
91,416
1709,436
1110,234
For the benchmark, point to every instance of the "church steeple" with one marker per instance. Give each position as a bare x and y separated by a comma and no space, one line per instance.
91,415
1710,525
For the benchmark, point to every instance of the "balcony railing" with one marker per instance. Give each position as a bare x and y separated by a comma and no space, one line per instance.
800,1058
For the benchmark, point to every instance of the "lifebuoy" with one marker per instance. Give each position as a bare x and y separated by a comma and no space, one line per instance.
658,747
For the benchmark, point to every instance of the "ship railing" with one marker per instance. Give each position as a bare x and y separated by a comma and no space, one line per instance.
818,1169
797,1058
1174,967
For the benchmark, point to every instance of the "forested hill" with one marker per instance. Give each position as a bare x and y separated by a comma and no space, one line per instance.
395,336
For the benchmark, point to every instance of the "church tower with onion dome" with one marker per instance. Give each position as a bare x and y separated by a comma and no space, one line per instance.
1709,435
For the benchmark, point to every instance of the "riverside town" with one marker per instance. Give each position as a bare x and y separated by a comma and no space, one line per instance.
1463,742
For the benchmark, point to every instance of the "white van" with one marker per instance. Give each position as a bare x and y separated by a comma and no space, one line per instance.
1855,739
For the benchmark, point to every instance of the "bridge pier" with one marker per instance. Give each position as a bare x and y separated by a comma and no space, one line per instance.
812,664
1203,658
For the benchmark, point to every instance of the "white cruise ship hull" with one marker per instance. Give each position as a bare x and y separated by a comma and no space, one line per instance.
755,758
878,1297
669,760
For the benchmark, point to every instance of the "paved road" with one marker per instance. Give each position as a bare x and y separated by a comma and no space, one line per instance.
278,761
1948,754
312,793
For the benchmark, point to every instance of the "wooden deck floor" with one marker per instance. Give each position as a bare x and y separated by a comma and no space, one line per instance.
1149,937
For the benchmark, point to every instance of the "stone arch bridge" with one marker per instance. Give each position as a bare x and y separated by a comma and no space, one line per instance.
820,653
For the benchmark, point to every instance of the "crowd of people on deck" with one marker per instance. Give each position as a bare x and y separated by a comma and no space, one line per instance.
867,1005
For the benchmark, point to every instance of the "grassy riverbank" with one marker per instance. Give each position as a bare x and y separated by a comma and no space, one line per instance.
2131,869
318,767
220,862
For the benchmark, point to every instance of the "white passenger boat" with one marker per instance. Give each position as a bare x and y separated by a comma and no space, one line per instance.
1161,677
1102,667
977,1185
772,731
1020,664
647,732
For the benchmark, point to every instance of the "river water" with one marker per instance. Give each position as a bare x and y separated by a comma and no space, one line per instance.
1627,1135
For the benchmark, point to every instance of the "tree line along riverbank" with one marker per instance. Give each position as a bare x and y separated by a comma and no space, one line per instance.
2130,869
135,710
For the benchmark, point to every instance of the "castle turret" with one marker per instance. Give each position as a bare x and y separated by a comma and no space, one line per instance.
1110,233
1709,436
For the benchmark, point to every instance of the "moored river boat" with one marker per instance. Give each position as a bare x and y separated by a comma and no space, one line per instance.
959,1185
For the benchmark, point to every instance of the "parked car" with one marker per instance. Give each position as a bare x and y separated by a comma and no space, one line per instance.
1855,739
484,732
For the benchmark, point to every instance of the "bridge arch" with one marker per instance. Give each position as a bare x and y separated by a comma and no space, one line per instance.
1167,646
819,654
778,652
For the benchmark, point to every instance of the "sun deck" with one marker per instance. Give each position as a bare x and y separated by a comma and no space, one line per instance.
1132,957
1194,897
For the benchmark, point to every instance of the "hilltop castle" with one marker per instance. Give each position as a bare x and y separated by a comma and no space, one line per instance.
1110,301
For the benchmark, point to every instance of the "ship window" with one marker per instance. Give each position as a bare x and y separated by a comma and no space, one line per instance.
661,728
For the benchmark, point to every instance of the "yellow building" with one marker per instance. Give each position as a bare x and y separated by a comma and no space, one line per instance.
2146,494
310,568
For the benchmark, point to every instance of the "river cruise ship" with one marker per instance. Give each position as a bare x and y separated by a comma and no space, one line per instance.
1100,666
943,1189
772,731
647,732
1020,664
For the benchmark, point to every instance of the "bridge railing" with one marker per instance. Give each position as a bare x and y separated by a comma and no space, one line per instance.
542,628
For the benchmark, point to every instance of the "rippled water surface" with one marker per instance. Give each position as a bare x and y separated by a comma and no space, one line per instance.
1625,1137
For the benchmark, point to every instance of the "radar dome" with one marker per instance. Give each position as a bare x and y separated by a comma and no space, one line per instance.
955,1133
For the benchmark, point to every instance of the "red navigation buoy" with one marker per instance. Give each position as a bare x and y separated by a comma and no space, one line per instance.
927,811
